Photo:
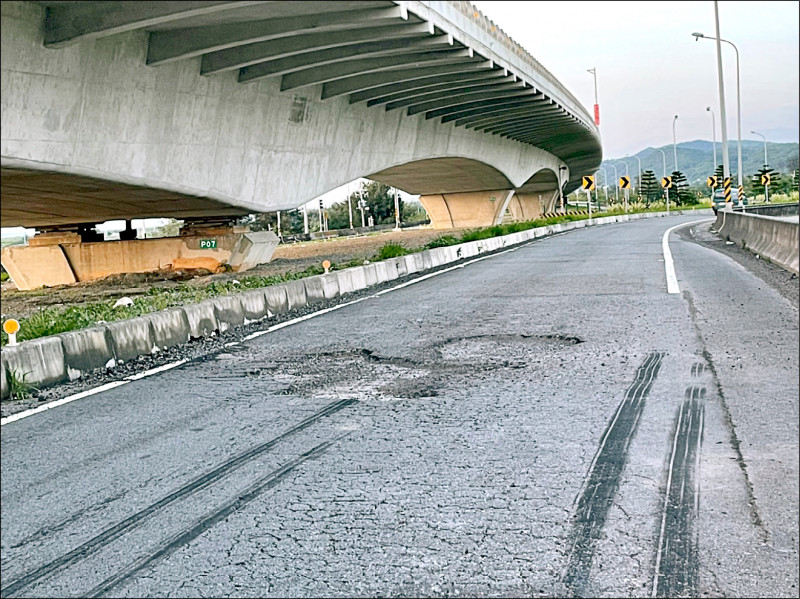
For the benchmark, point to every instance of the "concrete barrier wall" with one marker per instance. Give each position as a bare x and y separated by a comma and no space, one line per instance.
68,356
789,209
766,236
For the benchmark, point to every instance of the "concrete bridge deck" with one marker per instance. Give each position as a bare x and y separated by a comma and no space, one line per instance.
199,109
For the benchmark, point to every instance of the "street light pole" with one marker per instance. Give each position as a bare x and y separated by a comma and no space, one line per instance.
627,188
616,184
639,183
664,161
697,36
765,145
675,142
593,71
605,188
766,187
714,138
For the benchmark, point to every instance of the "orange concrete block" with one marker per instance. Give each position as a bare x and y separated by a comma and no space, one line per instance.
34,267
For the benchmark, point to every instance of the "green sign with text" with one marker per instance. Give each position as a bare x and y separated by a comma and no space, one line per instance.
208,244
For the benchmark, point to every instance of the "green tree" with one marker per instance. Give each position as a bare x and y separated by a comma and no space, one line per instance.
680,192
775,179
380,200
651,189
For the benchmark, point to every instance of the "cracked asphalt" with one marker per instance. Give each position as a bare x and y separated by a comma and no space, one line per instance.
544,422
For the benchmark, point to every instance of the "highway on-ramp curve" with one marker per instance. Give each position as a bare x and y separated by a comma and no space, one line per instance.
546,421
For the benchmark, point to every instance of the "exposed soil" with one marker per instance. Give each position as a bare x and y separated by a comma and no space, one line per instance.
288,258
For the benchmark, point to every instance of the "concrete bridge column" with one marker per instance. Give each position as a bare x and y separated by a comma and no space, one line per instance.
530,206
464,210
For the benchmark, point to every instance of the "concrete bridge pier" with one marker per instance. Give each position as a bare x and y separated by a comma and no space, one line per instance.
486,208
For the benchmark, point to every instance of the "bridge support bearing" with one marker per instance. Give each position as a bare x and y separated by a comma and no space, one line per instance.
464,210
67,260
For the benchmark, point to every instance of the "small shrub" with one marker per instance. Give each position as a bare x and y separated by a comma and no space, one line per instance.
3,276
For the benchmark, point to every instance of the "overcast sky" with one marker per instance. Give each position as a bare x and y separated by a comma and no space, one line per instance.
650,68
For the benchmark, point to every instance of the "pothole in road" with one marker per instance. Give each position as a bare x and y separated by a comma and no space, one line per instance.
366,374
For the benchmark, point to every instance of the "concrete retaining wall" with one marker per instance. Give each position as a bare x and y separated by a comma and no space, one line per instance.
766,236
59,358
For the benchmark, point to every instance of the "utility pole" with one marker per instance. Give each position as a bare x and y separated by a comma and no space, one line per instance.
305,220
726,163
396,210
361,207
350,210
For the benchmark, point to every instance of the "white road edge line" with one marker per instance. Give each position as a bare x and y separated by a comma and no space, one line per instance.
669,266
62,401
152,371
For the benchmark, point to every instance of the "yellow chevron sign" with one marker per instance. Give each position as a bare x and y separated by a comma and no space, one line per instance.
624,182
712,181
765,179
588,182
666,182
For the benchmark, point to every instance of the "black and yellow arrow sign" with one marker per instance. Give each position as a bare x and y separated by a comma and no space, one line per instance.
666,182
624,182
588,182
726,186
765,179
712,181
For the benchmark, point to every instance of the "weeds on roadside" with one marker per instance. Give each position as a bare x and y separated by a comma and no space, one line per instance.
20,388
391,250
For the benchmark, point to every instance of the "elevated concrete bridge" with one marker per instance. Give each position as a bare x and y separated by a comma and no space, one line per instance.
205,110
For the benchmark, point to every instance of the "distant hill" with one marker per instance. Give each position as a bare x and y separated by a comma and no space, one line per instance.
695,159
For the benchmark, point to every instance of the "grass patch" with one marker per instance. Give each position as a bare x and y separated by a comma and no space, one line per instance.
3,277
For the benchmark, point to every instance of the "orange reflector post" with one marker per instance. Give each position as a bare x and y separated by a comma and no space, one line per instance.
11,326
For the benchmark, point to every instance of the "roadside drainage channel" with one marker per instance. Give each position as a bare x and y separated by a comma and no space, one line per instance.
75,355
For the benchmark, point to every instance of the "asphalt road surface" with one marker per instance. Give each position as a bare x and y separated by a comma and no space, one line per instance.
547,421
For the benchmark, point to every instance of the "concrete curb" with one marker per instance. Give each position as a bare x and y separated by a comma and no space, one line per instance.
67,356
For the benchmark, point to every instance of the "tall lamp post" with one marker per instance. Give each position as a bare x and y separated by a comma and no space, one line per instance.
664,161
765,145
714,138
766,187
639,183
593,71
664,170
616,184
629,178
697,36
675,142
605,187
